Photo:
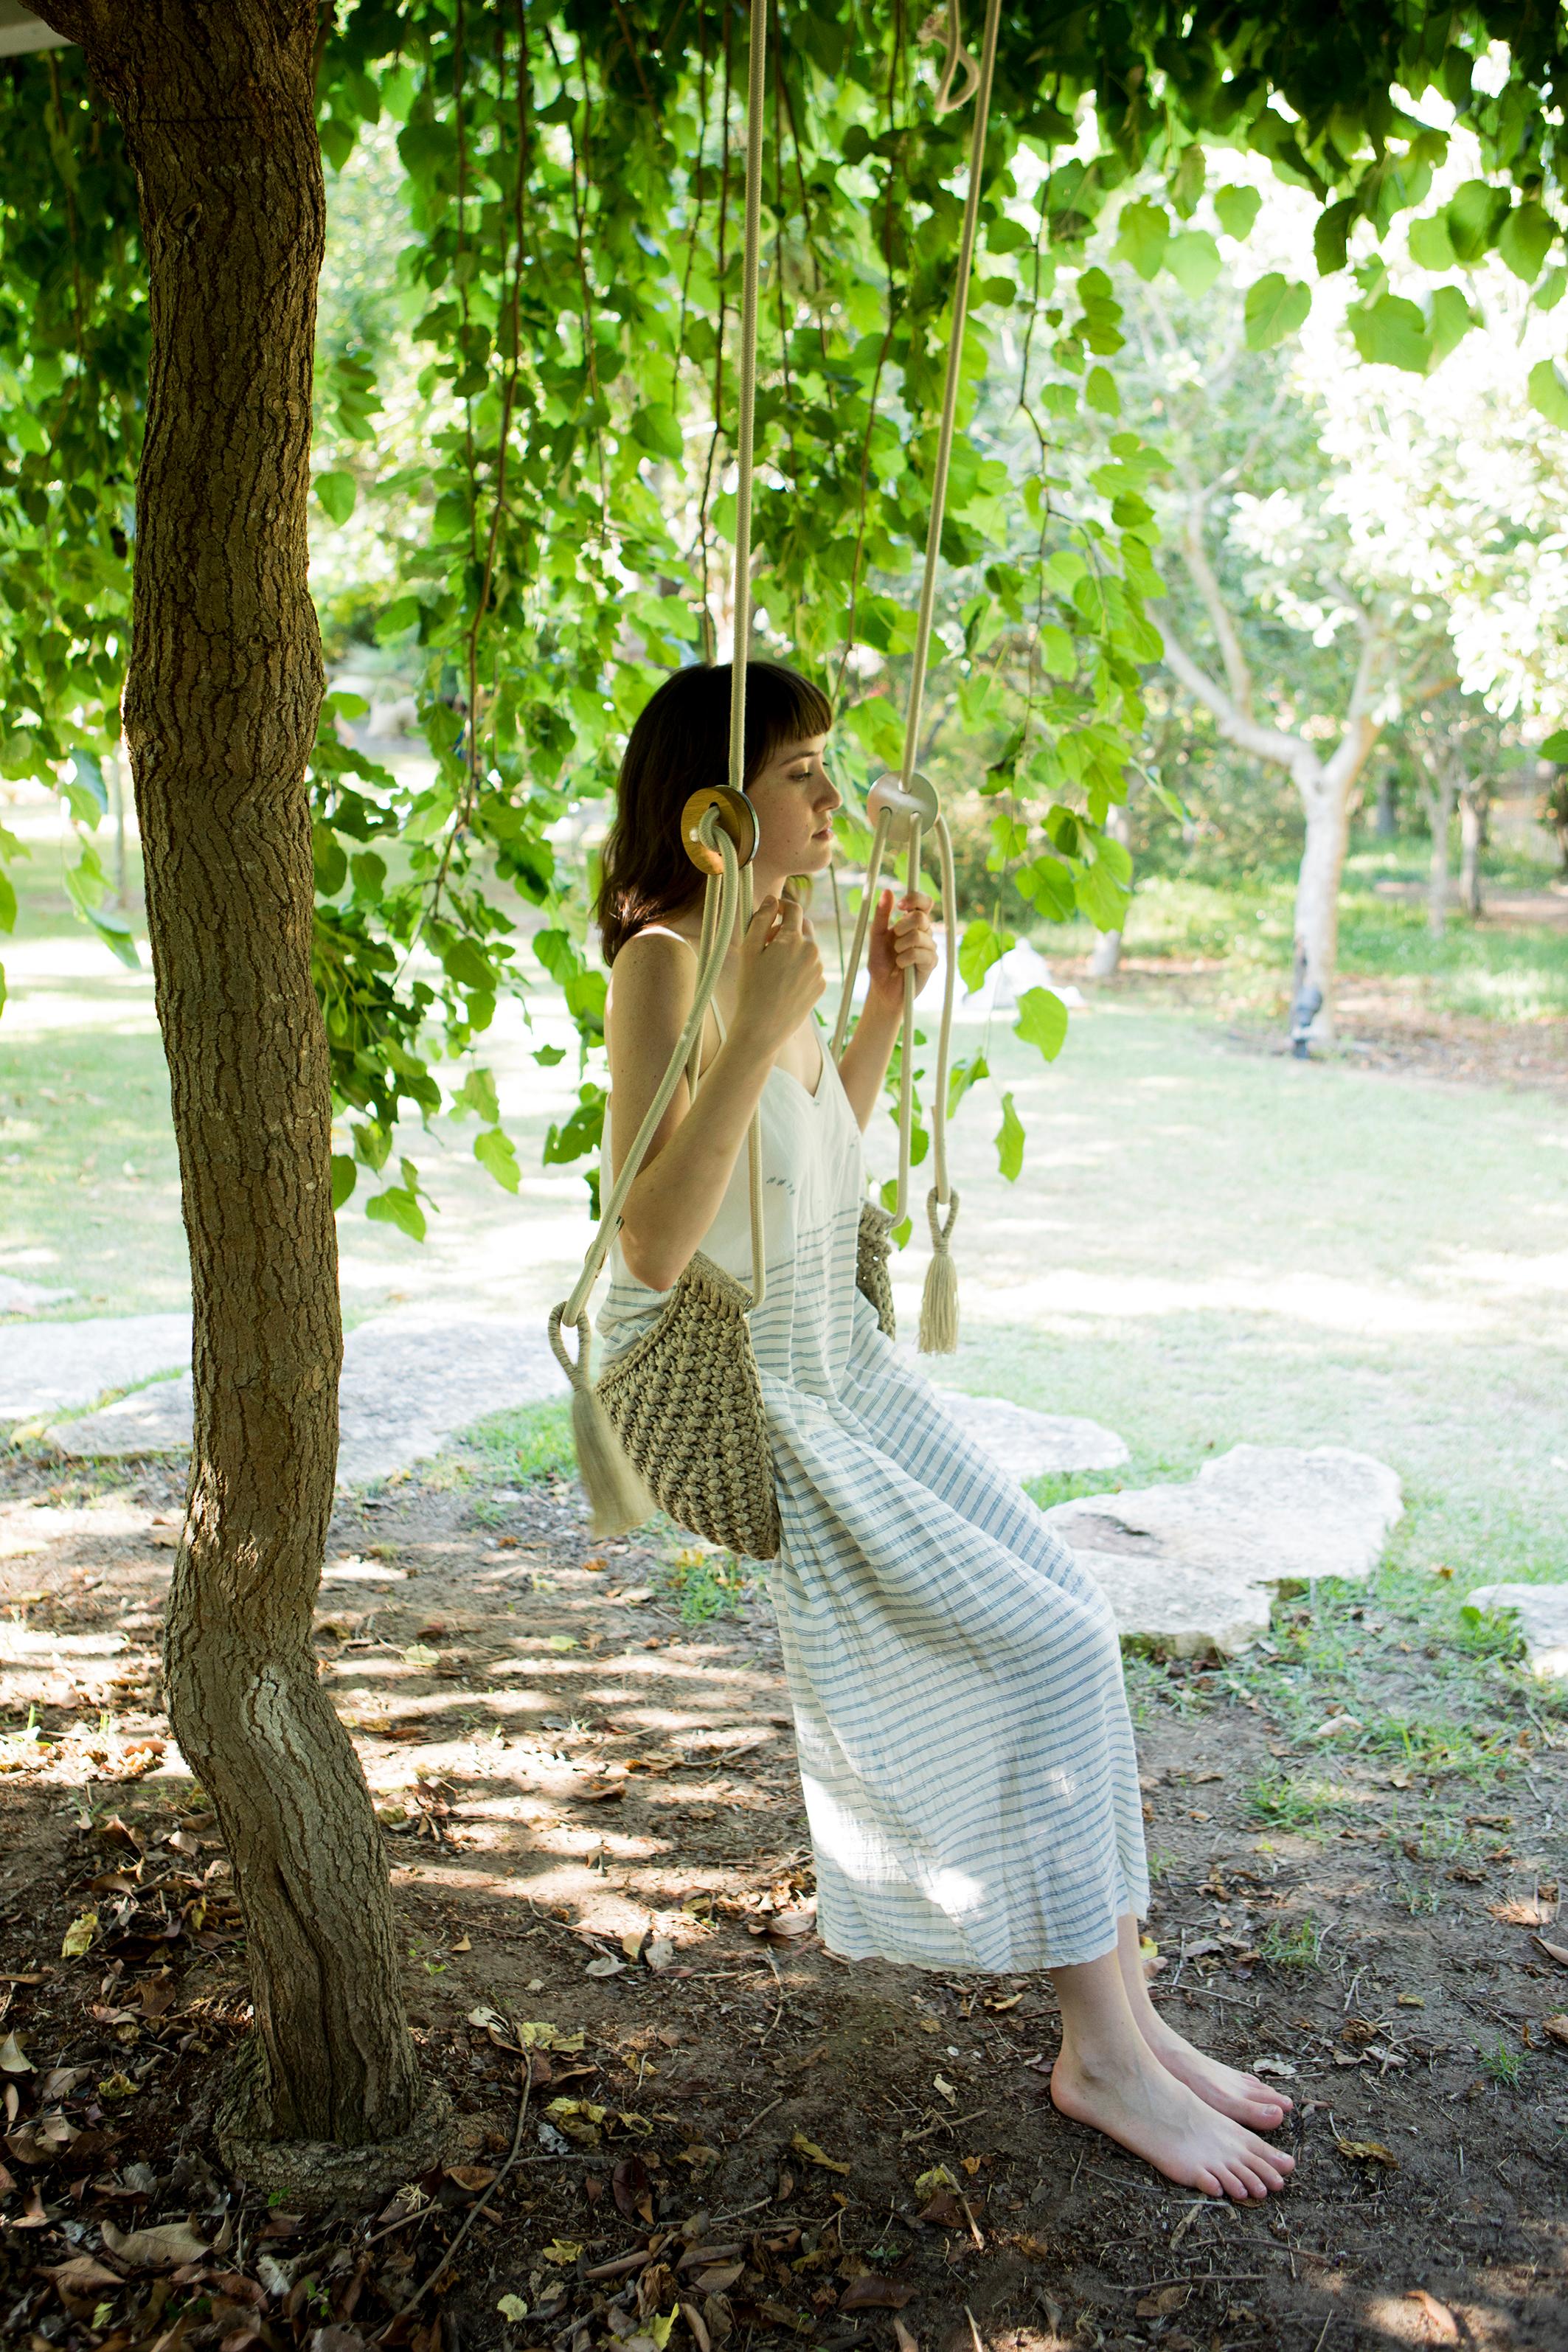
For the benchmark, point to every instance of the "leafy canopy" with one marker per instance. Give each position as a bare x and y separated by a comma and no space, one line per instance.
554,534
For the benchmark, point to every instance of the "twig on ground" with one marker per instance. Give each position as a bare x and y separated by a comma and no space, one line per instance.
1195,2278
943,2123
472,2215
746,2127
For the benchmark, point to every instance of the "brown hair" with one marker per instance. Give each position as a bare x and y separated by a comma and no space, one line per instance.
680,743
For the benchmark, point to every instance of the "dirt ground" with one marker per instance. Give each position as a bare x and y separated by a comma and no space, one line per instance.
601,1866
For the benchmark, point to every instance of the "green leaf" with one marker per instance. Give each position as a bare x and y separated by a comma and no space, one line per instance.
1042,1021
658,428
1145,232
1099,392
979,949
1474,214
1551,291
400,614
478,1093
494,1150
1010,1141
1525,239
1192,260
1452,319
1237,209
1391,333
1275,307
1549,394
395,1205
1429,243
1555,747
336,493
344,1176
962,1076
1330,236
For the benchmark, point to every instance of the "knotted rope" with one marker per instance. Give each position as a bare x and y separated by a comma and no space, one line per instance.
939,1303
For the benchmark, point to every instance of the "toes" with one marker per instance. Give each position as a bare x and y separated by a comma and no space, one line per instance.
1209,2183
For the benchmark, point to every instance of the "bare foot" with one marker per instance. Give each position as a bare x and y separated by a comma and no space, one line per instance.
1244,2097
1143,2107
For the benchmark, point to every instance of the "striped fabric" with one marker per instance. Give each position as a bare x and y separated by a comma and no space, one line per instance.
965,1750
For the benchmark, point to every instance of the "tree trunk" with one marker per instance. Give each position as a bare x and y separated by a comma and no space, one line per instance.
1106,955
224,685
1318,896
1386,822
1472,834
1439,816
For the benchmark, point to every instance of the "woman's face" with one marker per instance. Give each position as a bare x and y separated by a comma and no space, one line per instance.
794,799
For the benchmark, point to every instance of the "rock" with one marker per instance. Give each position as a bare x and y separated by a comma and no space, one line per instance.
52,1368
1028,1444
1192,1567
410,1381
19,1297
1542,1612
1178,1610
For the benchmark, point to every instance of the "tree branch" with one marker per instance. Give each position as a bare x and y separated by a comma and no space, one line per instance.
1237,725
1195,555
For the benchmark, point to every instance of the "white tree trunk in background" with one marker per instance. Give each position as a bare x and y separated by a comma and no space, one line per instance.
1324,785
1472,829
1107,956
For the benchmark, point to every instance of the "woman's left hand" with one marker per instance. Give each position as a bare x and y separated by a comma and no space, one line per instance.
901,942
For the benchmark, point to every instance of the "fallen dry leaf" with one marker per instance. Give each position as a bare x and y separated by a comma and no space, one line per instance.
1556,2027
808,2148
1368,2151
1528,1911
159,2249
1438,2323
83,2272
1558,1952
1166,2299
562,2252
13,2060
716,2278
874,2294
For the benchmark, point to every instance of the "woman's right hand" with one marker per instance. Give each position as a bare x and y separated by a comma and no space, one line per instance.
781,974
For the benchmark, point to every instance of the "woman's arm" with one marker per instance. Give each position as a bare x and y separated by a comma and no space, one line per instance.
896,940
689,1162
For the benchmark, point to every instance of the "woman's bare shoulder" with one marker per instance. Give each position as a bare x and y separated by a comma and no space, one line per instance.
653,975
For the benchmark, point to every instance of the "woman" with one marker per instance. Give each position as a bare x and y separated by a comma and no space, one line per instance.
965,1744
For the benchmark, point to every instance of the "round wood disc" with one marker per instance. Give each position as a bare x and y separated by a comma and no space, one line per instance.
888,791
737,816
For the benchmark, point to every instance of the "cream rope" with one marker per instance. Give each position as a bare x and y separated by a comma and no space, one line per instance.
734,894
950,397
746,446
862,922
706,981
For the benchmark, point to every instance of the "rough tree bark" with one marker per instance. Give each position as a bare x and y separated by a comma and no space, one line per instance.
1324,784
224,689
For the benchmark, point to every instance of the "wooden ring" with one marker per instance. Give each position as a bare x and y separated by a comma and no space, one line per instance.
888,793
737,816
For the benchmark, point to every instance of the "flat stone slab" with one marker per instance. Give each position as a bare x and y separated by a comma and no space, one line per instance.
411,1381
19,1297
48,1368
1542,1611
1192,1567
1028,1444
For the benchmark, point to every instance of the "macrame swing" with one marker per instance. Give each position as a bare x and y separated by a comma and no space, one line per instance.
676,1422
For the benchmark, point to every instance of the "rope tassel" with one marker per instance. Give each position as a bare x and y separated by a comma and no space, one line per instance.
939,1299
617,1499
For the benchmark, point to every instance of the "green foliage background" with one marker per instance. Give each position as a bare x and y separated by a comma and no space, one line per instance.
570,285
